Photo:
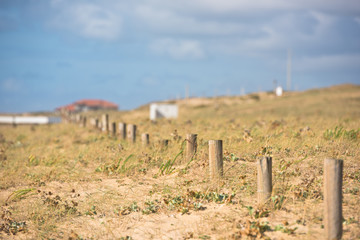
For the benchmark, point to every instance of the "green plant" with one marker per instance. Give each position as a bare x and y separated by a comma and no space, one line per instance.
285,229
19,194
33,160
13,227
143,170
134,207
198,206
233,157
204,237
257,213
252,230
219,197
151,207
126,210
167,168
115,168
91,211
277,201
339,131
126,238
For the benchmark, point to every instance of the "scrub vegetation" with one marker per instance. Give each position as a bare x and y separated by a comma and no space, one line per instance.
64,181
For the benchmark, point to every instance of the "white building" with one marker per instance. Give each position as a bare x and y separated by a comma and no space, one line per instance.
163,111
279,91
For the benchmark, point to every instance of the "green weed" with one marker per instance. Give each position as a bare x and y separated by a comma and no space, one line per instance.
257,213
151,207
115,168
339,132
167,168
33,160
285,229
126,210
277,201
91,211
19,194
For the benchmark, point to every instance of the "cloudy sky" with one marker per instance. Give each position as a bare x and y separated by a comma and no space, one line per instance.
54,52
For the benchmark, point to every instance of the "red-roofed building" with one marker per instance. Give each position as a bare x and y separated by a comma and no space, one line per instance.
88,105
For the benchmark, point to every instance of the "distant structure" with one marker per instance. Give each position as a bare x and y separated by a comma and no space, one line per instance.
187,92
288,72
279,91
15,120
87,105
163,111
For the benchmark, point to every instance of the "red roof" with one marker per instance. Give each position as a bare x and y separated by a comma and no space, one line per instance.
96,103
69,107
89,103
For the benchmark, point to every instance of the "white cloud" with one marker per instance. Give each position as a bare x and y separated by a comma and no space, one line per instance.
306,30
241,27
88,20
250,7
167,21
178,49
327,62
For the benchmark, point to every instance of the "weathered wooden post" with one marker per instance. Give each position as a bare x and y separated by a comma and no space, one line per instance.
83,121
131,132
96,123
333,172
264,179
122,130
105,122
191,146
145,139
216,158
113,128
165,142
79,120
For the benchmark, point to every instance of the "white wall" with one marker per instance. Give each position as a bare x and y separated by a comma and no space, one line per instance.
28,120
163,111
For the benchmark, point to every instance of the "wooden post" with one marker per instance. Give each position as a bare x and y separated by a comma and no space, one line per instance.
83,121
96,123
216,158
264,179
191,146
145,139
113,128
131,132
165,142
105,122
122,130
333,171
80,120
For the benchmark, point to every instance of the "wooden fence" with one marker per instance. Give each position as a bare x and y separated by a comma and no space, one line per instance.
333,170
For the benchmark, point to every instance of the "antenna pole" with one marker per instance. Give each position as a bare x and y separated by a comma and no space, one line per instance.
288,81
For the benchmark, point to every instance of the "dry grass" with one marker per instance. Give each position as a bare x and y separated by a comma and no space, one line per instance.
64,181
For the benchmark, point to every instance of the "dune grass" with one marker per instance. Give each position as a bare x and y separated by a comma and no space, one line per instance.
67,181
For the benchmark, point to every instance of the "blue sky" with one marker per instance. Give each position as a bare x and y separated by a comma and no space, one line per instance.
54,52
